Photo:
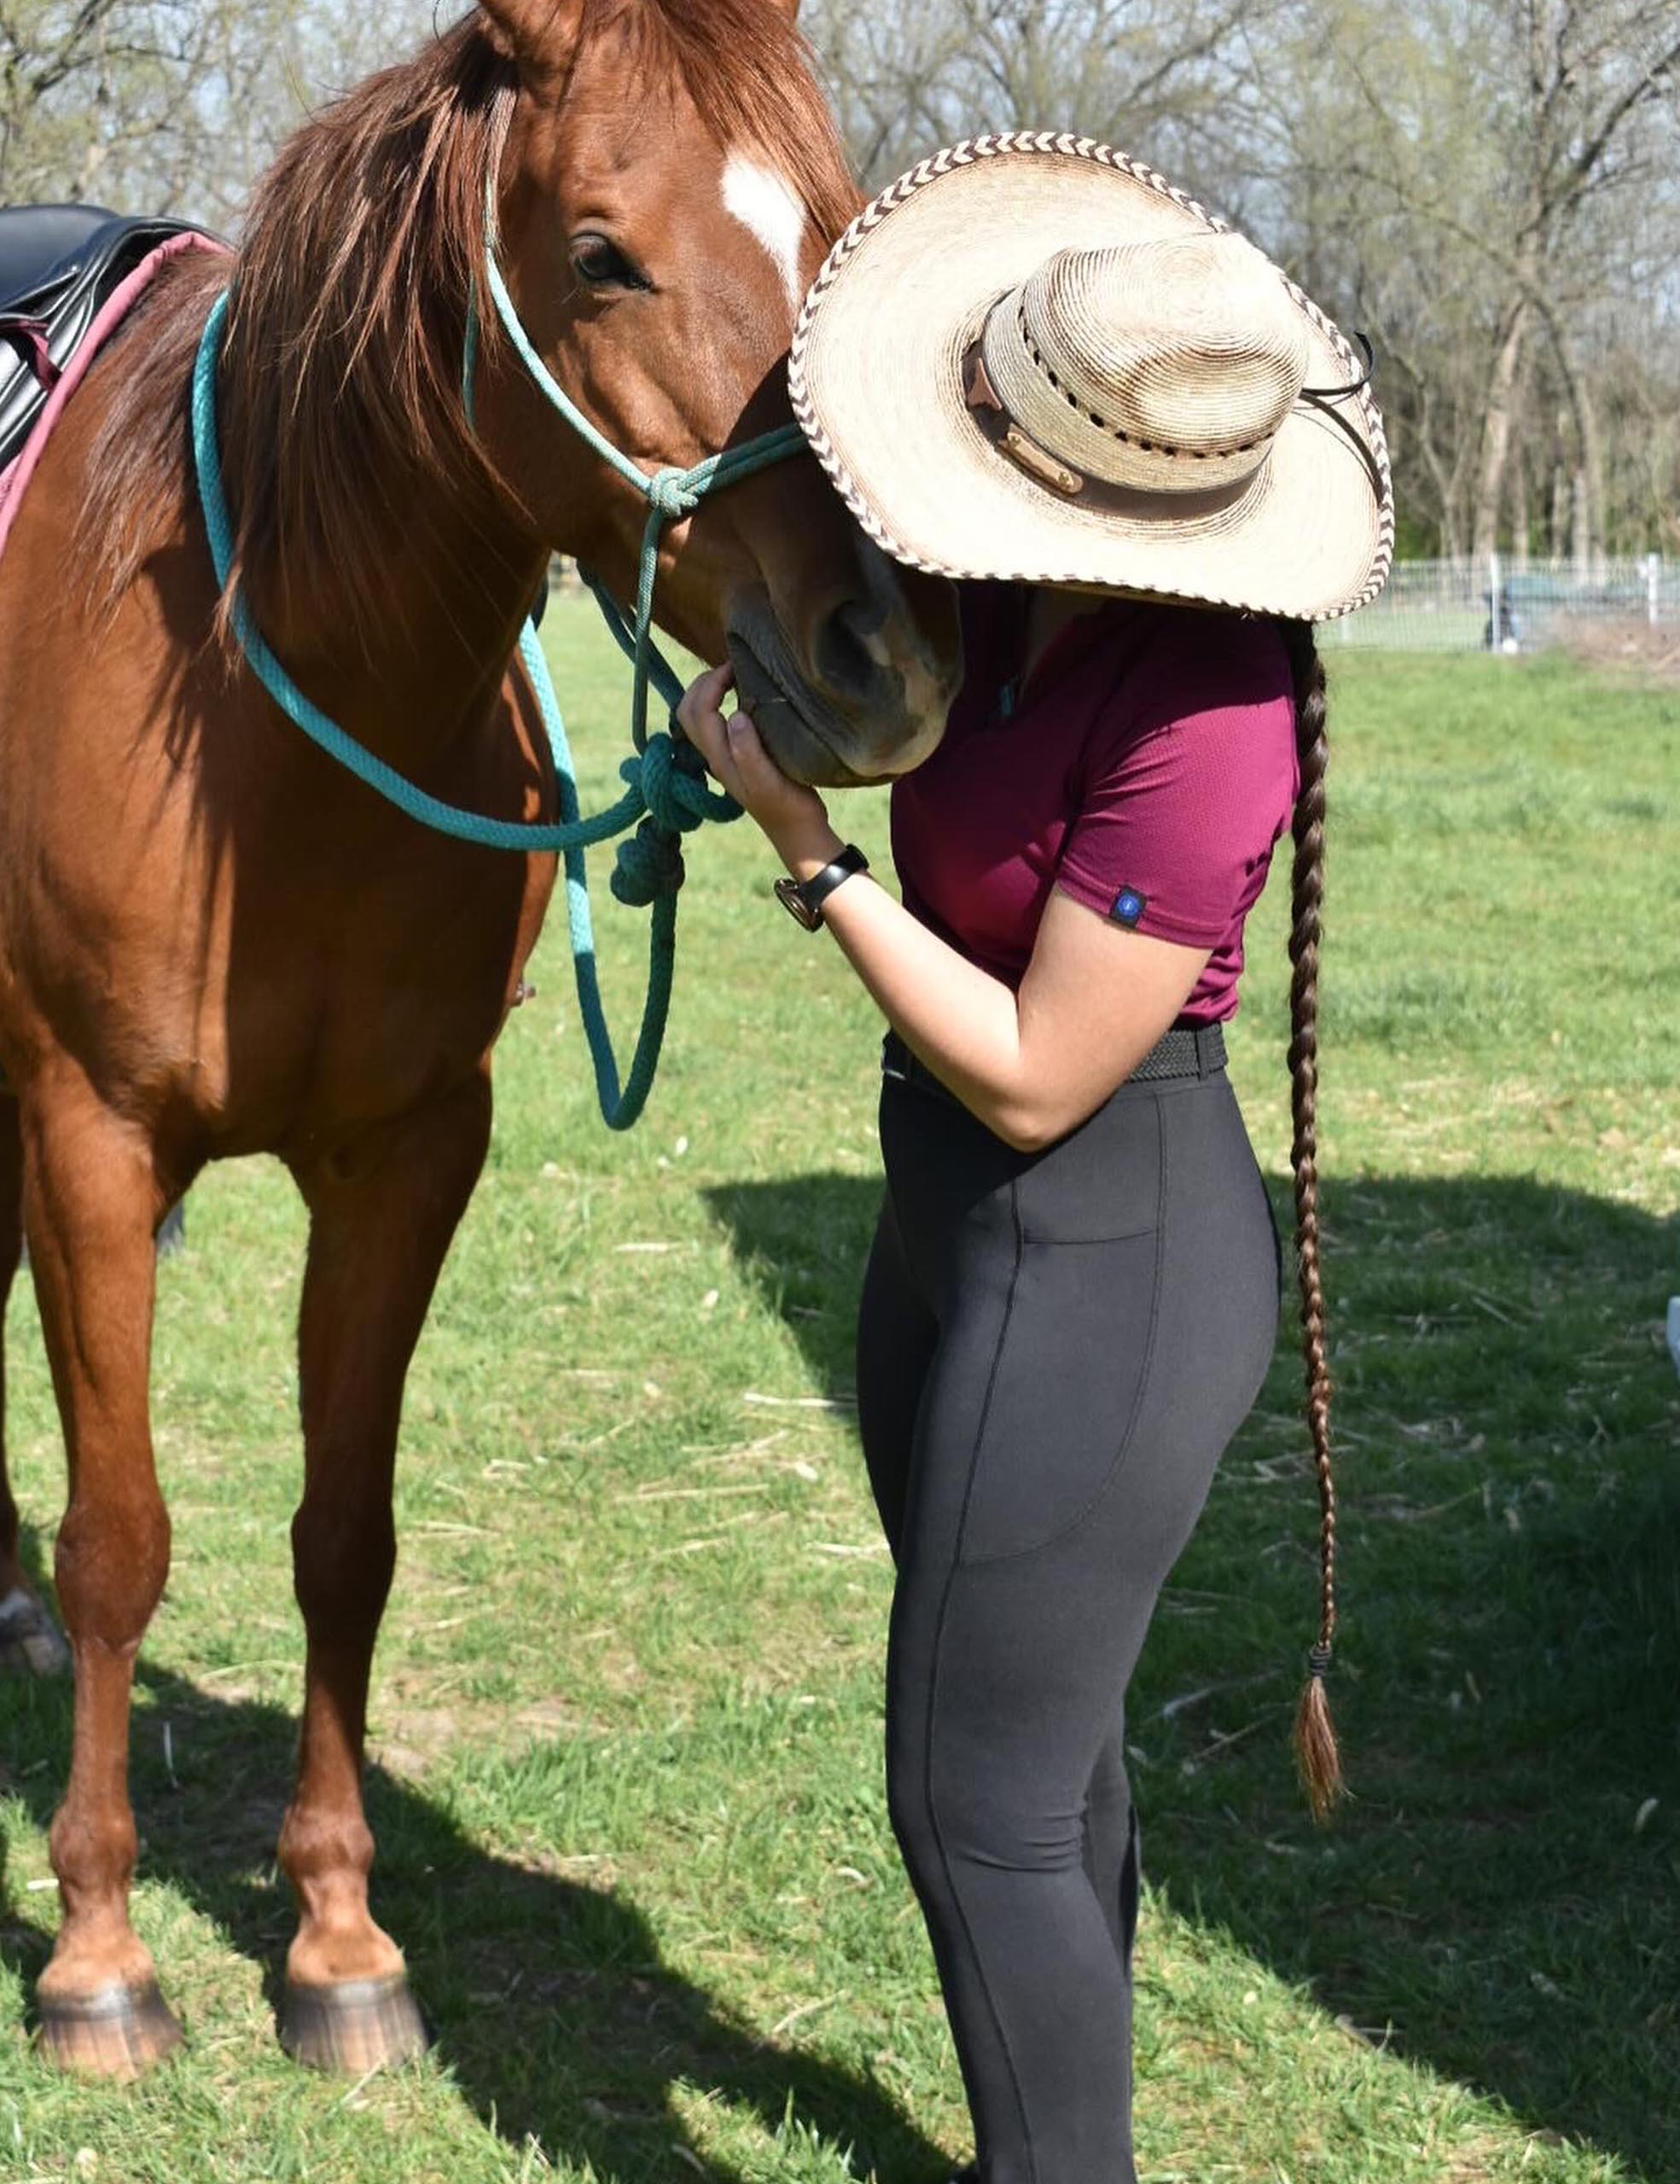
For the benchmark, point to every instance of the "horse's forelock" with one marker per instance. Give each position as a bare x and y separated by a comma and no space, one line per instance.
751,79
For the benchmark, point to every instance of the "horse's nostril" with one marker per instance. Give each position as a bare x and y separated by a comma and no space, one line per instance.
850,656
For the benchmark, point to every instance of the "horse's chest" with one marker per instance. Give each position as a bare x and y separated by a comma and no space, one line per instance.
398,990
222,930
266,999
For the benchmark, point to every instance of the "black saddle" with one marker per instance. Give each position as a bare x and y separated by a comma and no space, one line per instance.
58,265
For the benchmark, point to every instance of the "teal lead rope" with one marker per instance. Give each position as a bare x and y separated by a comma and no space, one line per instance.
666,795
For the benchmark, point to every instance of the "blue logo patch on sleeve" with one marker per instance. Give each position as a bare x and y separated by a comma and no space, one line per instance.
1129,907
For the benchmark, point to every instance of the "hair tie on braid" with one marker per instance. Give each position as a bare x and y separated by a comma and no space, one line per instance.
1315,1750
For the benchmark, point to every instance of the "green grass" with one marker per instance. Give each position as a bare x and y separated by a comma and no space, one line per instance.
627,1793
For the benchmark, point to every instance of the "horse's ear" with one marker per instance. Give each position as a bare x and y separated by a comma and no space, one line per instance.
537,34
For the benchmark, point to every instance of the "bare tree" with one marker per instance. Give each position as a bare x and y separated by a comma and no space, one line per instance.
1514,146
1166,79
888,71
148,104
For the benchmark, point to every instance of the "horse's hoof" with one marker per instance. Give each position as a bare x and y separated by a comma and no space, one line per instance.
118,2032
30,1641
353,2027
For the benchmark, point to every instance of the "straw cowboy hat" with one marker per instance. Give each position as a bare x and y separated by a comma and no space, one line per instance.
1033,358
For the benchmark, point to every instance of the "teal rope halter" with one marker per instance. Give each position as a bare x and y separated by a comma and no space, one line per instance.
666,795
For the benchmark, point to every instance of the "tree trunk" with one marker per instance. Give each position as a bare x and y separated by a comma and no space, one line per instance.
1520,514
1559,509
1496,430
1580,548
1587,512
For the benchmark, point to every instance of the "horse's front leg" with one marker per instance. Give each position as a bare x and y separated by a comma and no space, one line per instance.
91,1200
29,1637
382,1213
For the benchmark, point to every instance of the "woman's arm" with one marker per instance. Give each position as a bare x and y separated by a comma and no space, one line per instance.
1033,1066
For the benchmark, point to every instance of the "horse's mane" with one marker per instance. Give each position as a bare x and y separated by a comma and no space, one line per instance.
362,243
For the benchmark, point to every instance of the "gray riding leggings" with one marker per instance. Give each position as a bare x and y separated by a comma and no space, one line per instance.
1053,1351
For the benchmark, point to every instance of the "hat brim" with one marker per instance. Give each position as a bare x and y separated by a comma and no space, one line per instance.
877,381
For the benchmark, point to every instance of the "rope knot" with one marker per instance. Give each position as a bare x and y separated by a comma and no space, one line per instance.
649,865
1318,1659
671,778
672,494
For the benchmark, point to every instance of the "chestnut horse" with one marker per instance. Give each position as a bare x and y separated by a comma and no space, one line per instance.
212,941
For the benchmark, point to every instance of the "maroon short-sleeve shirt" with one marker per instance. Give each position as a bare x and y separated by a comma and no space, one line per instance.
1147,768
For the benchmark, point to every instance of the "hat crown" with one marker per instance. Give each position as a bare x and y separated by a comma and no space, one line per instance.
1170,364
1190,343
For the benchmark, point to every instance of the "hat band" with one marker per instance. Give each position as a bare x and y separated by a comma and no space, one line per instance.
1008,436
1068,422
991,412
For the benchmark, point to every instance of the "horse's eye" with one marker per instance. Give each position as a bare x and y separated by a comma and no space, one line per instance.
600,264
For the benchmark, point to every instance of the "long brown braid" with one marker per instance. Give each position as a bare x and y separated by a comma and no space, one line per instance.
1315,1750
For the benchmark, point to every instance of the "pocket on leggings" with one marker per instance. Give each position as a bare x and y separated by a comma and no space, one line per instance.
1101,1184
1066,1389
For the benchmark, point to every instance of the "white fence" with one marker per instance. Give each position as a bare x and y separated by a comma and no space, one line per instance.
1494,605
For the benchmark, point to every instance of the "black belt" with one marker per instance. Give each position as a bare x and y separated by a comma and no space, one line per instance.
1187,1050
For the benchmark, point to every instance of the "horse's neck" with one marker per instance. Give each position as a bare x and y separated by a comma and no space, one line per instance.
401,628
428,674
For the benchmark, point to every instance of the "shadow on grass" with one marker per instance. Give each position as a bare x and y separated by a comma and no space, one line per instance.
1502,1900
548,2000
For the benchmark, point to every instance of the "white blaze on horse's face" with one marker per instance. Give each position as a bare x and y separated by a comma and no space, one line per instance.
765,201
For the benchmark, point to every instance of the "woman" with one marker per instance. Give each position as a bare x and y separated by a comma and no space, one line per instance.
1033,366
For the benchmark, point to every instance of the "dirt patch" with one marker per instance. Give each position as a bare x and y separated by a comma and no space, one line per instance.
1634,644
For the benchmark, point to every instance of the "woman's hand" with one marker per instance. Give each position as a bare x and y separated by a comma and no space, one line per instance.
795,818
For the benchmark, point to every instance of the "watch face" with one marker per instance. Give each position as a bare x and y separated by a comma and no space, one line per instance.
788,894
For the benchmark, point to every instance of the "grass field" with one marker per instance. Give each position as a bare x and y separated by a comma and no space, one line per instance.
632,1827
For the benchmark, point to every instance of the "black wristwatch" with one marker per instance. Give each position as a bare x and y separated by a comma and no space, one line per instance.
804,898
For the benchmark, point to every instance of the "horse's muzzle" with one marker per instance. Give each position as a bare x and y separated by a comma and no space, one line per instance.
868,704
